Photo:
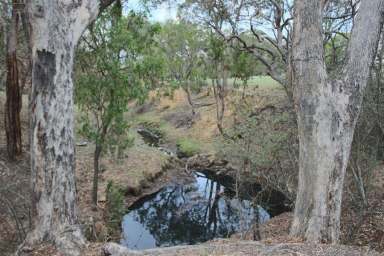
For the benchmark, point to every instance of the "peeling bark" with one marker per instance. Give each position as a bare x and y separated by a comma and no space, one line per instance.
56,26
13,94
327,114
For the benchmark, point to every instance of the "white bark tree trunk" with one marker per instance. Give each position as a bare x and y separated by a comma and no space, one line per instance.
56,26
327,113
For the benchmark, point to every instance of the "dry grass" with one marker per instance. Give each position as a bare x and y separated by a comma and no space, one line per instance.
14,187
204,129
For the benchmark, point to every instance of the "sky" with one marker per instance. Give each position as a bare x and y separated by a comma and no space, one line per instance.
168,11
162,13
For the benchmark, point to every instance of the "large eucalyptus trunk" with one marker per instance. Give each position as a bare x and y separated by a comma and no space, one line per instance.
327,113
56,26
13,94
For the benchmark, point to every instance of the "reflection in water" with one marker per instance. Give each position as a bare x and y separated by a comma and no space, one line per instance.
188,214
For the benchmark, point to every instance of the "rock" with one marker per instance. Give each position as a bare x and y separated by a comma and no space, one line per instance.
150,137
82,144
112,249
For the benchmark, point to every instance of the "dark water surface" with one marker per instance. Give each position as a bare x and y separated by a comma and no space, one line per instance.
188,214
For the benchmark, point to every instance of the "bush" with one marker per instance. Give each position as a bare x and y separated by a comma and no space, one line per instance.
115,206
265,146
188,147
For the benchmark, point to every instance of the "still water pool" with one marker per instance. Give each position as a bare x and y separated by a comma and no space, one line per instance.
188,214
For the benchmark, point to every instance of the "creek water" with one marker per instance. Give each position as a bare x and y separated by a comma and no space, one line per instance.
190,213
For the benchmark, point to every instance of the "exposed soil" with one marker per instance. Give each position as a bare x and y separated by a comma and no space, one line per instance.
14,189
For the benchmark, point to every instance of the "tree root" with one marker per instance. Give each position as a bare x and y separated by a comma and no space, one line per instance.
68,240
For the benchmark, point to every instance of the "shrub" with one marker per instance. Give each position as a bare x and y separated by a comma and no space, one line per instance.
115,206
265,146
188,147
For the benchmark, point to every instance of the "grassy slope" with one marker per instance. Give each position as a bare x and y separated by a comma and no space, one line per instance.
204,133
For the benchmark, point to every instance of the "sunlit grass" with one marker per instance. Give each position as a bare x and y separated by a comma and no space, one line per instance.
263,81
188,146
257,81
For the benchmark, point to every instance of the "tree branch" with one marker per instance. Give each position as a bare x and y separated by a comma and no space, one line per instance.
363,44
104,4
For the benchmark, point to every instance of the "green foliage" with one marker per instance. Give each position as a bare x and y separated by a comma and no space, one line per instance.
188,147
335,52
182,45
216,48
217,56
243,66
117,9
115,65
115,205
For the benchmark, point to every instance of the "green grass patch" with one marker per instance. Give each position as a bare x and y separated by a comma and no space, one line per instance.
153,122
263,81
188,147
146,117
258,81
